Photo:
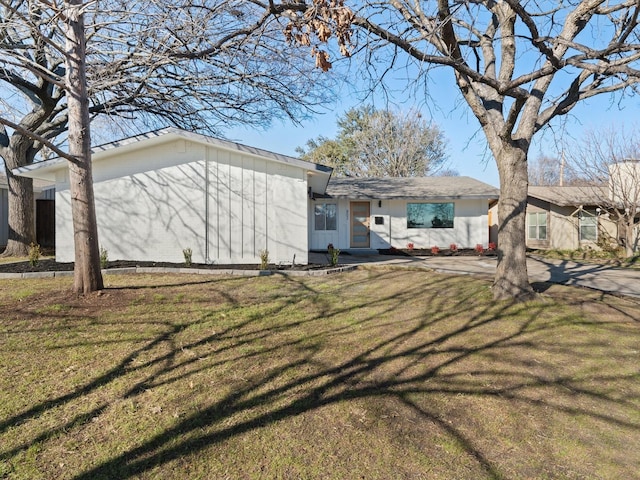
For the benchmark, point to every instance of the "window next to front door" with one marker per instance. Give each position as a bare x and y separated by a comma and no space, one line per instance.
430,215
325,216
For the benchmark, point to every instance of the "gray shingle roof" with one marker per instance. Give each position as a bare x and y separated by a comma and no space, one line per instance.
570,196
412,188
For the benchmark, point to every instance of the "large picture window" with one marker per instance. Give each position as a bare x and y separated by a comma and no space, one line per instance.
537,226
325,215
430,215
588,227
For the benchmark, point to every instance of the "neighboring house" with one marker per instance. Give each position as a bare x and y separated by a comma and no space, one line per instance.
44,193
160,193
380,213
568,218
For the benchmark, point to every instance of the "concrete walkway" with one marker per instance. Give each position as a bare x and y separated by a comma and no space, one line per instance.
622,281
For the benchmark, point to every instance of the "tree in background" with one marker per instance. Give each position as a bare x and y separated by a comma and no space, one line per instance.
380,143
546,171
553,171
610,158
202,66
518,65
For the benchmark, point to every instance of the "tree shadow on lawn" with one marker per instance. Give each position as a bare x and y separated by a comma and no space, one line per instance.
449,345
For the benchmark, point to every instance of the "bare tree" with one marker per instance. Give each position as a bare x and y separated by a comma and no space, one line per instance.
610,158
381,143
87,276
546,170
518,65
201,66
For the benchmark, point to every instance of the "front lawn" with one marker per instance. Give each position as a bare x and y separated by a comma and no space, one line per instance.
374,374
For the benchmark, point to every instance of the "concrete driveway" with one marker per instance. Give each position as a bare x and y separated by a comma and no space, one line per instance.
623,281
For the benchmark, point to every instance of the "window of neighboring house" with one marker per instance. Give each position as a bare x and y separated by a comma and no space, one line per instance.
430,215
588,227
537,226
325,216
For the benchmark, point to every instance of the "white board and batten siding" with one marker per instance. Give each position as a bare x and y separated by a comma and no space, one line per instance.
225,206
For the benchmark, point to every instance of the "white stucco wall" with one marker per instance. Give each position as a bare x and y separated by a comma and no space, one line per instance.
470,226
225,206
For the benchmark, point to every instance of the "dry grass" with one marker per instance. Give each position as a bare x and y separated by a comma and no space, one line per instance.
375,374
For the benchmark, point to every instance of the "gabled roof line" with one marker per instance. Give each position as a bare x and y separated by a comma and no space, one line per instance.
132,142
200,138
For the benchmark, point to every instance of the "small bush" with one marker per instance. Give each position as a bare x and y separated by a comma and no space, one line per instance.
334,254
479,249
104,257
435,250
410,246
453,248
34,254
264,259
188,254
492,246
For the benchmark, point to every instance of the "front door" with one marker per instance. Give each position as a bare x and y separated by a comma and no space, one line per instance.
360,224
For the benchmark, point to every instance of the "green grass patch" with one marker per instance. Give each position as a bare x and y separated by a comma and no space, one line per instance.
379,373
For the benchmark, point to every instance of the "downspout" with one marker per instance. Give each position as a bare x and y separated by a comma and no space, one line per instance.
206,206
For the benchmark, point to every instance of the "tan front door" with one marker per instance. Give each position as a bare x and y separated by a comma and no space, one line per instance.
360,224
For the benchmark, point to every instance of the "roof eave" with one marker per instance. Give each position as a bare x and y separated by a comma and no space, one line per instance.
415,198
46,170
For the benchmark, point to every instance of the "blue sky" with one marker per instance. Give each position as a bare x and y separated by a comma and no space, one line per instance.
467,148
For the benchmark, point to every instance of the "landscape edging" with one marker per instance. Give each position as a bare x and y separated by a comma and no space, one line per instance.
196,271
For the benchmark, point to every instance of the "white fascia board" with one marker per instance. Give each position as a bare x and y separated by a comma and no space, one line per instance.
42,170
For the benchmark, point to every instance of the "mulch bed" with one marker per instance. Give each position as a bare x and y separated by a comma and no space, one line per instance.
50,265
426,252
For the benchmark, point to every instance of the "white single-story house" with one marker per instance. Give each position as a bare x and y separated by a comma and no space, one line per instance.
380,213
160,193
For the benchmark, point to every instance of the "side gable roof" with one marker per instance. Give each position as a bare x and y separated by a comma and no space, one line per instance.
570,196
411,188
47,169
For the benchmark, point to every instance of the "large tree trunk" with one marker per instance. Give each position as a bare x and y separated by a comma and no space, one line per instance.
87,273
22,230
512,279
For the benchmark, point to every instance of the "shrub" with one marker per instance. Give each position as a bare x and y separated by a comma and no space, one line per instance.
435,250
410,246
492,246
104,257
34,254
187,253
264,259
453,247
479,248
334,254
